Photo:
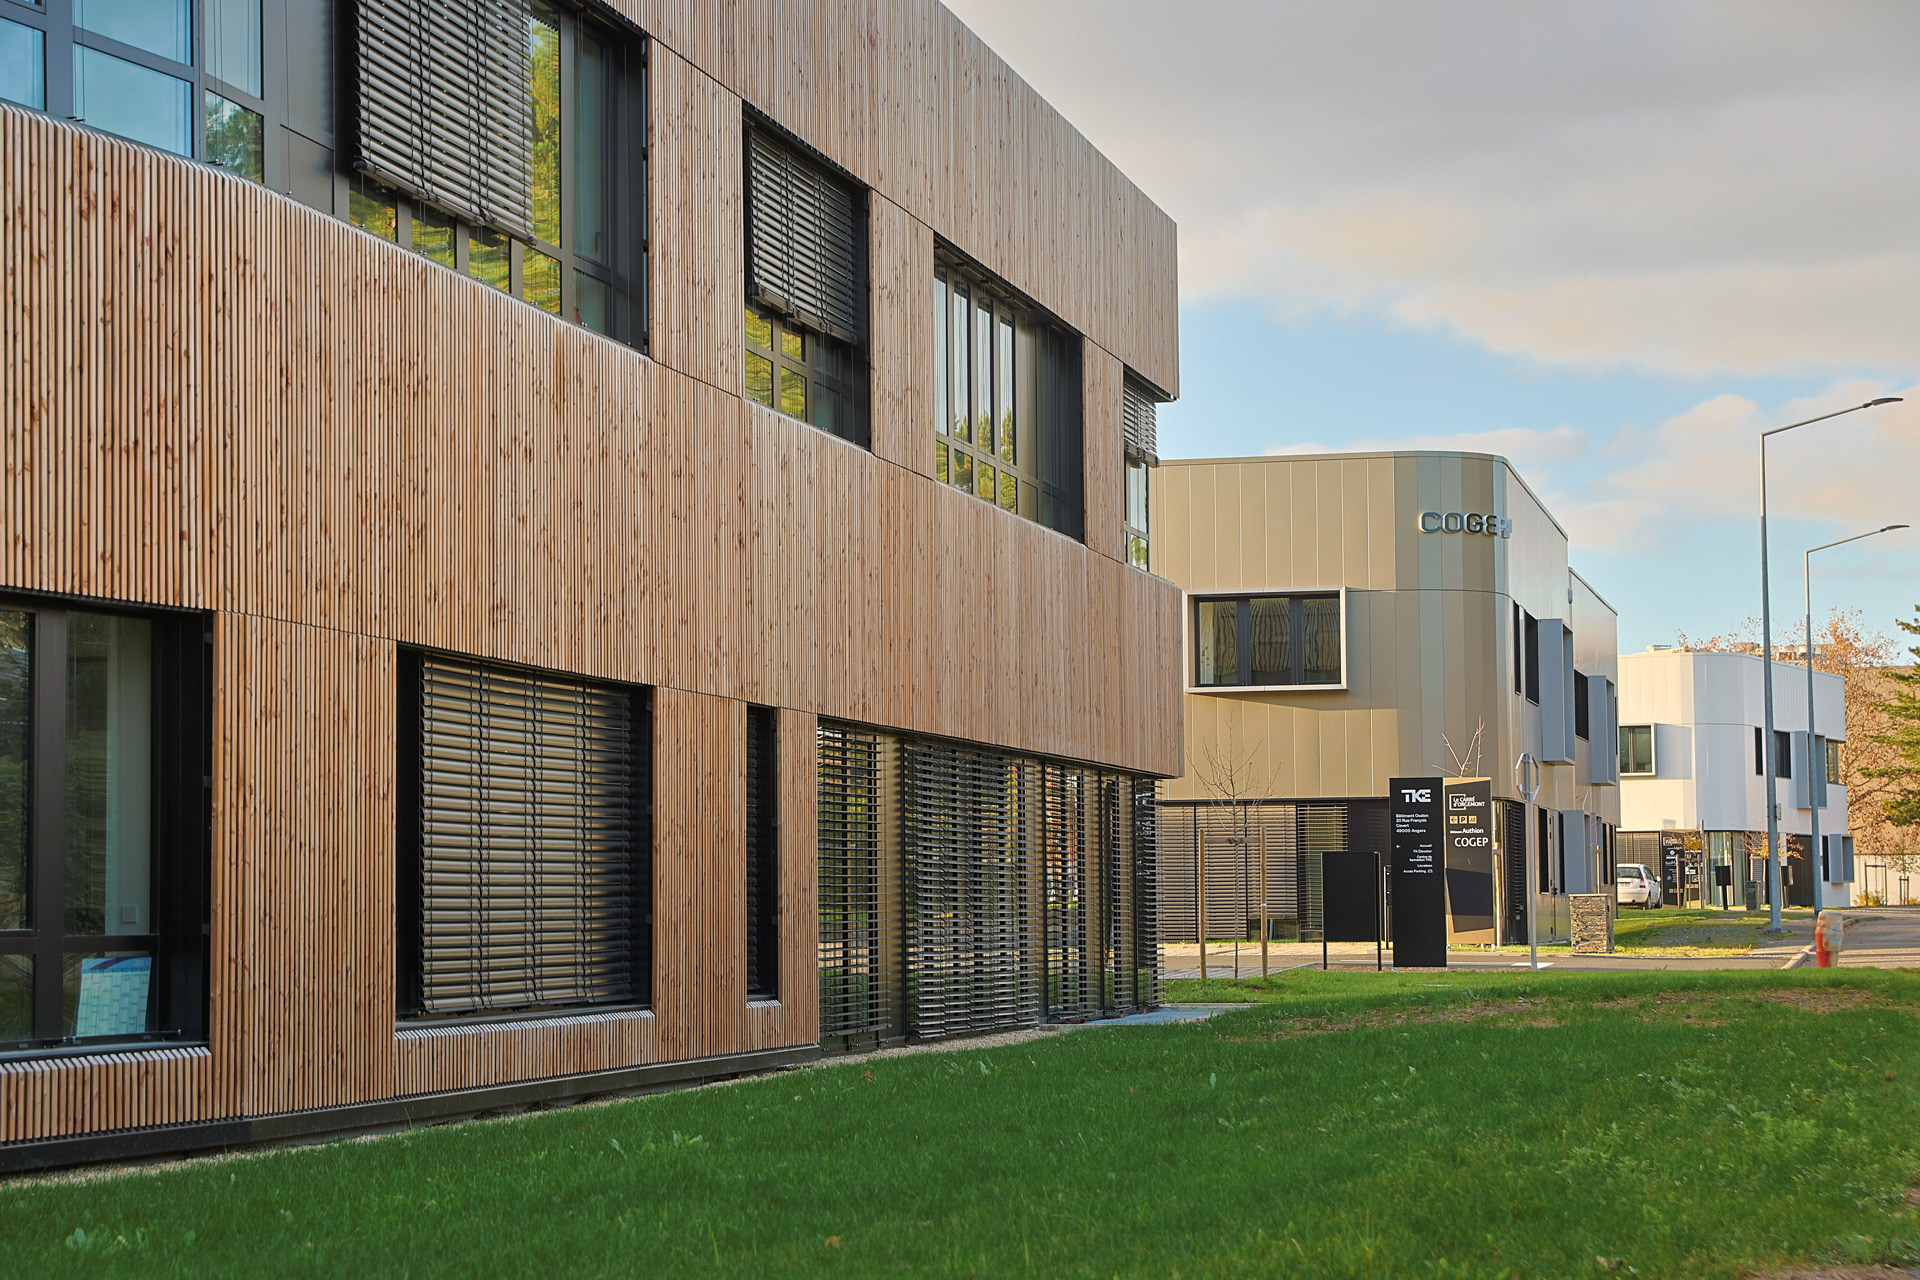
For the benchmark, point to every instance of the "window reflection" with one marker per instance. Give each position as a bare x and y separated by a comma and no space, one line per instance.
109,774
23,65
16,747
433,235
489,259
158,26
134,102
231,41
234,138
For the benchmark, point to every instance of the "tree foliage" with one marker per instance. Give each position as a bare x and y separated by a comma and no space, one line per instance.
1901,711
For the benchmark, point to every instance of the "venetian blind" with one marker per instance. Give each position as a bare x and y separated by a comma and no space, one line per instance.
529,840
443,105
1137,415
803,255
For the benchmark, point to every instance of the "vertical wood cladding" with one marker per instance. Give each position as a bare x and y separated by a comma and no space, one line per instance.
214,398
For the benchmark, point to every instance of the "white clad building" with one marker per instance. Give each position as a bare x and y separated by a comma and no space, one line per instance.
1692,783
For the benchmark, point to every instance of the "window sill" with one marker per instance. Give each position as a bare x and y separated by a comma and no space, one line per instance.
1267,688
123,1051
526,1020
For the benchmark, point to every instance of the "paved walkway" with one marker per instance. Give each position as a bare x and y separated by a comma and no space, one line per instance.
1881,938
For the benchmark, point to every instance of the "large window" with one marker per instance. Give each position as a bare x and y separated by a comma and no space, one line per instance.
806,312
1139,430
103,821
524,835
128,67
1833,762
1268,641
540,191
1636,748
1007,400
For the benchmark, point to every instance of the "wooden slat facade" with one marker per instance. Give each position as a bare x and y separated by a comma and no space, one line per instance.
220,400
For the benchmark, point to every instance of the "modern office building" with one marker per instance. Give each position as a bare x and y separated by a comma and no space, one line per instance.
1693,782
1354,618
553,548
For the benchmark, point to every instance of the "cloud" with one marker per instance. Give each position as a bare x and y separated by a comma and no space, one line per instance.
1645,489
1689,186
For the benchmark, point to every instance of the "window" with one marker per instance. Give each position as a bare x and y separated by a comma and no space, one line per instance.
763,866
1833,762
1782,754
1140,433
544,199
104,755
1636,748
129,69
1006,399
806,313
1759,759
1268,641
1519,654
1582,713
1533,657
524,814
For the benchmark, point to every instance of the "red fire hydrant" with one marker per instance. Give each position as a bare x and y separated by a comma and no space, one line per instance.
1829,930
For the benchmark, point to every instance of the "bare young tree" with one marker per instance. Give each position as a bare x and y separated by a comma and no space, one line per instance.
1239,780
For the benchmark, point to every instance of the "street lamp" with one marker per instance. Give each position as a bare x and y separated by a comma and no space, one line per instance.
1766,656
1814,792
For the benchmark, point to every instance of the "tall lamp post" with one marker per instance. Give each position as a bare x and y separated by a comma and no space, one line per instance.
1766,656
1815,787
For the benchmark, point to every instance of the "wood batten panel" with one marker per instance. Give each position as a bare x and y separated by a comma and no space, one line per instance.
699,873
695,225
103,1092
433,1060
907,99
302,982
1102,384
901,353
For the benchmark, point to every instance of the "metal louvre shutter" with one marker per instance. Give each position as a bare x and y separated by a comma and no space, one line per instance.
1072,862
1145,873
1513,849
848,840
1138,415
527,841
1321,829
803,249
968,864
443,106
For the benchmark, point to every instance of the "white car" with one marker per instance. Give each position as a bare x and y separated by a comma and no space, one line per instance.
1635,886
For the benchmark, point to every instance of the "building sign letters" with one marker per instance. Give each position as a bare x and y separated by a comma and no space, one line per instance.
1470,522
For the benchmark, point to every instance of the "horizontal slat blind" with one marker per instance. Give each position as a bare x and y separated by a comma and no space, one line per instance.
852,970
528,821
443,105
1138,415
803,254
1145,871
1072,856
971,936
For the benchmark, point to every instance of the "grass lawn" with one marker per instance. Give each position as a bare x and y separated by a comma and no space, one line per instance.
1349,1125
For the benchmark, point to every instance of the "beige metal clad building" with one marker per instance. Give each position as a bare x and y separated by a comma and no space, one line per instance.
1351,618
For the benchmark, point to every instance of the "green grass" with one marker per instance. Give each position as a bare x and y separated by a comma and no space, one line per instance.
1450,1125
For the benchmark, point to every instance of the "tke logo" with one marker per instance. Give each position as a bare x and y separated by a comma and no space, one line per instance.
1474,522
1422,795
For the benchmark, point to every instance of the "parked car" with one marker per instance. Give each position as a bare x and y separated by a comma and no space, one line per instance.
1635,886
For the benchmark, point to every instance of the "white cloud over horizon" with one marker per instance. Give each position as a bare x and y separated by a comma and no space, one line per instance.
1687,186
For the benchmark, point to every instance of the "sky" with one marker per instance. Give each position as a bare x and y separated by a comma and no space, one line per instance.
1611,240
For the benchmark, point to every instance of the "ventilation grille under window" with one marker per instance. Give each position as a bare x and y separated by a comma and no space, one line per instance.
803,247
443,105
848,840
1138,413
529,824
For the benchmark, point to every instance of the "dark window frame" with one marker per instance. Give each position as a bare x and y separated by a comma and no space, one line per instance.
1243,642
1628,757
1582,712
1047,468
1833,760
1783,754
1531,626
180,846
409,962
763,853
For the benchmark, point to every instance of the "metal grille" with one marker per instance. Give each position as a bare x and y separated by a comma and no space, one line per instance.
1138,415
763,905
971,936
852,970
443,93
1072,868
1513,851
802,239
1145,874
1233,839
528,840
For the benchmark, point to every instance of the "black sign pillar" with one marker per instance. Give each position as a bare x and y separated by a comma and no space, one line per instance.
1470,859
1419,896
